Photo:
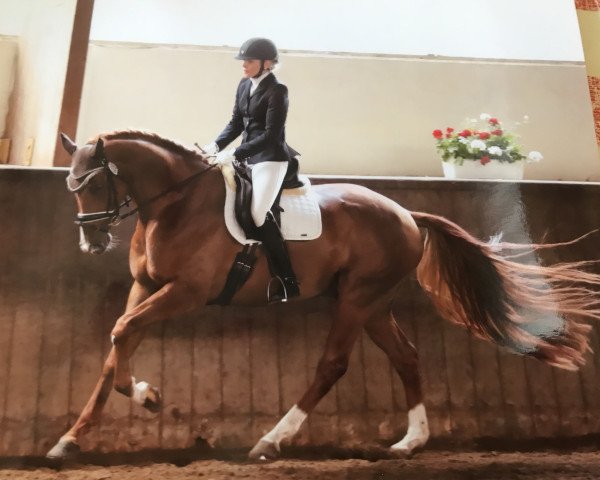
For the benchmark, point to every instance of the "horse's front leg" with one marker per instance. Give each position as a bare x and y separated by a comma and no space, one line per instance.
172,300
68,445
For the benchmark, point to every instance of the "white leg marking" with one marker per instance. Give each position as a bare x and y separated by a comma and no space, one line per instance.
287,427
418,431
140,391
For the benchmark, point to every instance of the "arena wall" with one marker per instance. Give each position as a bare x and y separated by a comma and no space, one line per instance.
227,374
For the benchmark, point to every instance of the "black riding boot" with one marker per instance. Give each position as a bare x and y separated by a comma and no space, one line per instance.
284,278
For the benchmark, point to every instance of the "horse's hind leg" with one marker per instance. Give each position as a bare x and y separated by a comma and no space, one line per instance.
388,336
345,329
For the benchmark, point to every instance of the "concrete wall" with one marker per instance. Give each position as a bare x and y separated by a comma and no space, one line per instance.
8,57
43,52
349,114
227,374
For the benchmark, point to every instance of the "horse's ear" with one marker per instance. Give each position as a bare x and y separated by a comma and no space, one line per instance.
68,144
99,149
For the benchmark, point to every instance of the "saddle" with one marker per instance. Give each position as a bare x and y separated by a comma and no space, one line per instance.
296,208
243,197
296,212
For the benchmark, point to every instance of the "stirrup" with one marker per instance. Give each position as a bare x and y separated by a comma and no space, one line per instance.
289,287
276,297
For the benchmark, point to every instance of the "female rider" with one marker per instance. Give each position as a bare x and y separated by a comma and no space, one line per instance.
259,114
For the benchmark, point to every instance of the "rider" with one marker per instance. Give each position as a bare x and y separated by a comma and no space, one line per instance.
259,114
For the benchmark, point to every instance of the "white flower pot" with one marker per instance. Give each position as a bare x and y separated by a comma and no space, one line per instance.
493,170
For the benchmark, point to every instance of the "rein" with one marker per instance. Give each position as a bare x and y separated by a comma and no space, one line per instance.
113,207
170,189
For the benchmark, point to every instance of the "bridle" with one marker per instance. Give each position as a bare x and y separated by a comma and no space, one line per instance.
112,214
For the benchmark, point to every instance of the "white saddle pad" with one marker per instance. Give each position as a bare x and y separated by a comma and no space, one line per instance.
300,219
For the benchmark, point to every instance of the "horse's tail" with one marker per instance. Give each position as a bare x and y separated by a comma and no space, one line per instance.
531,309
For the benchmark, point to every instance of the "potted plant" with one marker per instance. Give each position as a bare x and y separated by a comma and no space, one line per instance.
486,150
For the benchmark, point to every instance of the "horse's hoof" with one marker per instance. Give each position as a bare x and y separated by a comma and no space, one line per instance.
403,452
153,401
406,449
64,450
264,451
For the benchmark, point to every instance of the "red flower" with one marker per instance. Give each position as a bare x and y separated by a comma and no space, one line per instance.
493,121
484,135
485,160
438,134
497,132
465,133
449,130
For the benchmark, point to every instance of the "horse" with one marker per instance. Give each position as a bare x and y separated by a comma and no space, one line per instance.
180,252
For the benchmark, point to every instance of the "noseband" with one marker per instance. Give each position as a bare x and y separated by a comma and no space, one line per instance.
112,214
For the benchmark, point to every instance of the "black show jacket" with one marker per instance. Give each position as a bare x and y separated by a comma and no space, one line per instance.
260,117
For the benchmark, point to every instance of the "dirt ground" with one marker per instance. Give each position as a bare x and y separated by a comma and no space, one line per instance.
438,465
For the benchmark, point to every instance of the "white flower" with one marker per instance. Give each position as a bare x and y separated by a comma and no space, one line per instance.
463,140
535,156
485,116
478,145
495,150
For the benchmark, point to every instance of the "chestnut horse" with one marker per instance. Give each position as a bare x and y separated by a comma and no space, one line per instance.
181,252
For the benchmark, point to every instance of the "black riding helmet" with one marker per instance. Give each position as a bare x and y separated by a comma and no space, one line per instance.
258,49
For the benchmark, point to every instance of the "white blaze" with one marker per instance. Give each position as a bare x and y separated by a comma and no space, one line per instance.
84,245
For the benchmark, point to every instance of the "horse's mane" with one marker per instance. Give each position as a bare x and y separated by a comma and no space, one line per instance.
170,145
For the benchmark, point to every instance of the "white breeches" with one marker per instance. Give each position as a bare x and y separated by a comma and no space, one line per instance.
267,178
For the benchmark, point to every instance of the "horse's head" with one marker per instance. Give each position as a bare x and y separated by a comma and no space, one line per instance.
93,181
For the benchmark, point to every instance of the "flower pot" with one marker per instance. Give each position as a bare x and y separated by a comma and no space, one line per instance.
493,170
